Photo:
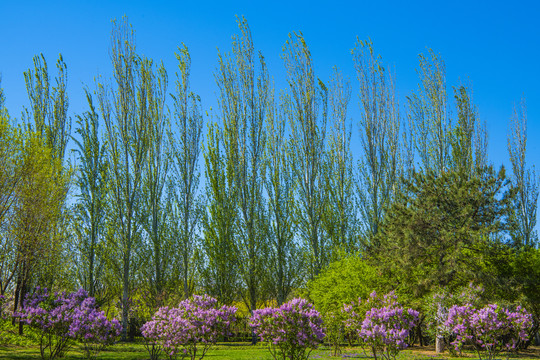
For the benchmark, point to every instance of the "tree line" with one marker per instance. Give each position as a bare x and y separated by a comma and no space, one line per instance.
163,201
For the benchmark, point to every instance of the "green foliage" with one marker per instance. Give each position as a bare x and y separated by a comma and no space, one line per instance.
44,135
188,208
515,279
334,330
429,116
282,198
306,109
524,180
3,110
33,187
220,270
9,335
379,125
285,263
344,281
244,110
10,177
37,212
438,230
468,139
129,111
339,219
49,107
90,211
157,258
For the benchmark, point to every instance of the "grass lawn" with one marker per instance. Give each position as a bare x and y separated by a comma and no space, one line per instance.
229,351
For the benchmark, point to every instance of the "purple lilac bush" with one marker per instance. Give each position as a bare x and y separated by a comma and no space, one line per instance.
387,325
490,329
188,330
62,318
291,330
91,327
437,308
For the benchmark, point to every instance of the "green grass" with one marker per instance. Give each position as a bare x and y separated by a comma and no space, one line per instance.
233,351
9,334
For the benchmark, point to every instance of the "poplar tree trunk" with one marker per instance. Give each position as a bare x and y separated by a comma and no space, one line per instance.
125,299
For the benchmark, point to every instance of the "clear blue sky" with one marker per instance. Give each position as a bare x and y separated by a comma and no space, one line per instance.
493,44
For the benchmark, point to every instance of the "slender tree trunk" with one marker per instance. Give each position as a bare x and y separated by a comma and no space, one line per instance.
420,336
21,299
185,254
91,271
280,280
125,297
186,283
253,305
16,300
157,258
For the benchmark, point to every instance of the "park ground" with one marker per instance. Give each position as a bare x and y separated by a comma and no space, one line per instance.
243,351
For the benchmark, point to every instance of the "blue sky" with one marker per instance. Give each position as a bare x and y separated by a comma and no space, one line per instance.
493,44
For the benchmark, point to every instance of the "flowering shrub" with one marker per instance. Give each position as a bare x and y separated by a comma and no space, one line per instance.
490,329
61,318
292,330
188,330
387,326
91,327
437,312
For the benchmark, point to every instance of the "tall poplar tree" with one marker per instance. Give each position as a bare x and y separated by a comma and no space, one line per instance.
47,115
285,258
243,82
379,167
428,115
186,144
154,216
220,273
469,137
89,213
524,180
307,113
126,110
340,215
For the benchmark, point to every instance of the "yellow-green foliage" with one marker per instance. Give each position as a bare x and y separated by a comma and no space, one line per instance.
342,282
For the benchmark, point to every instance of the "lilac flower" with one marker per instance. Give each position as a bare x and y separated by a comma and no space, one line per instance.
387,325
190,329
62,318
490,329
291,331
